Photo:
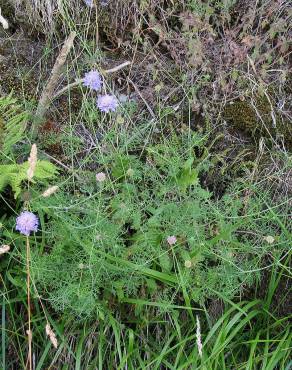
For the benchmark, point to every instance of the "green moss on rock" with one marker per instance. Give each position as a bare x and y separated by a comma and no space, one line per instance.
255,119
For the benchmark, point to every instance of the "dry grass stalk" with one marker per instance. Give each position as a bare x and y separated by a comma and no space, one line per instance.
51,335
32,160
3,21
50,191
48,91
4,249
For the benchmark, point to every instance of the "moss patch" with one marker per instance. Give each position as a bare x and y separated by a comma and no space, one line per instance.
255,119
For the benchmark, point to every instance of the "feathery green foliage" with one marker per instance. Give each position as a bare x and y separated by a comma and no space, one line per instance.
116,293
14,174
110,243
13,120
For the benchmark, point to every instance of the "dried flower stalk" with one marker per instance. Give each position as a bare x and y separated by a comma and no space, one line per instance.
51,335
50,191
32,160
199,339
48,91
4,249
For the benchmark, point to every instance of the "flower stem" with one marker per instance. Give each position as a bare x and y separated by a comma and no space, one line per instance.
29,333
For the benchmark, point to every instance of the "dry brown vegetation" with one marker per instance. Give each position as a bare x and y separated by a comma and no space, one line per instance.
214,54
220,66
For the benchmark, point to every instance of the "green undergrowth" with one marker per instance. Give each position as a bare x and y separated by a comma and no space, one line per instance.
112,244
247,335
103,243
184,235
116,293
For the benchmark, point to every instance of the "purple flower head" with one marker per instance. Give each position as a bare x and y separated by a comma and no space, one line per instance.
27,222
89,3
92,80
171,240
107,103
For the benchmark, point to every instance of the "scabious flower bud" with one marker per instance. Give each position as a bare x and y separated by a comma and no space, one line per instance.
171,240
130,172
100,177
92,80
107,103
188,264
26,223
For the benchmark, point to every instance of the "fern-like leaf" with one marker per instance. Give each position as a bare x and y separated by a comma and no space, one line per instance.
13,122
15,174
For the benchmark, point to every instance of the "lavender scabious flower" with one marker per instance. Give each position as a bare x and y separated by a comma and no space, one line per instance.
27,222
107,103
89,3
171,240
93,80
